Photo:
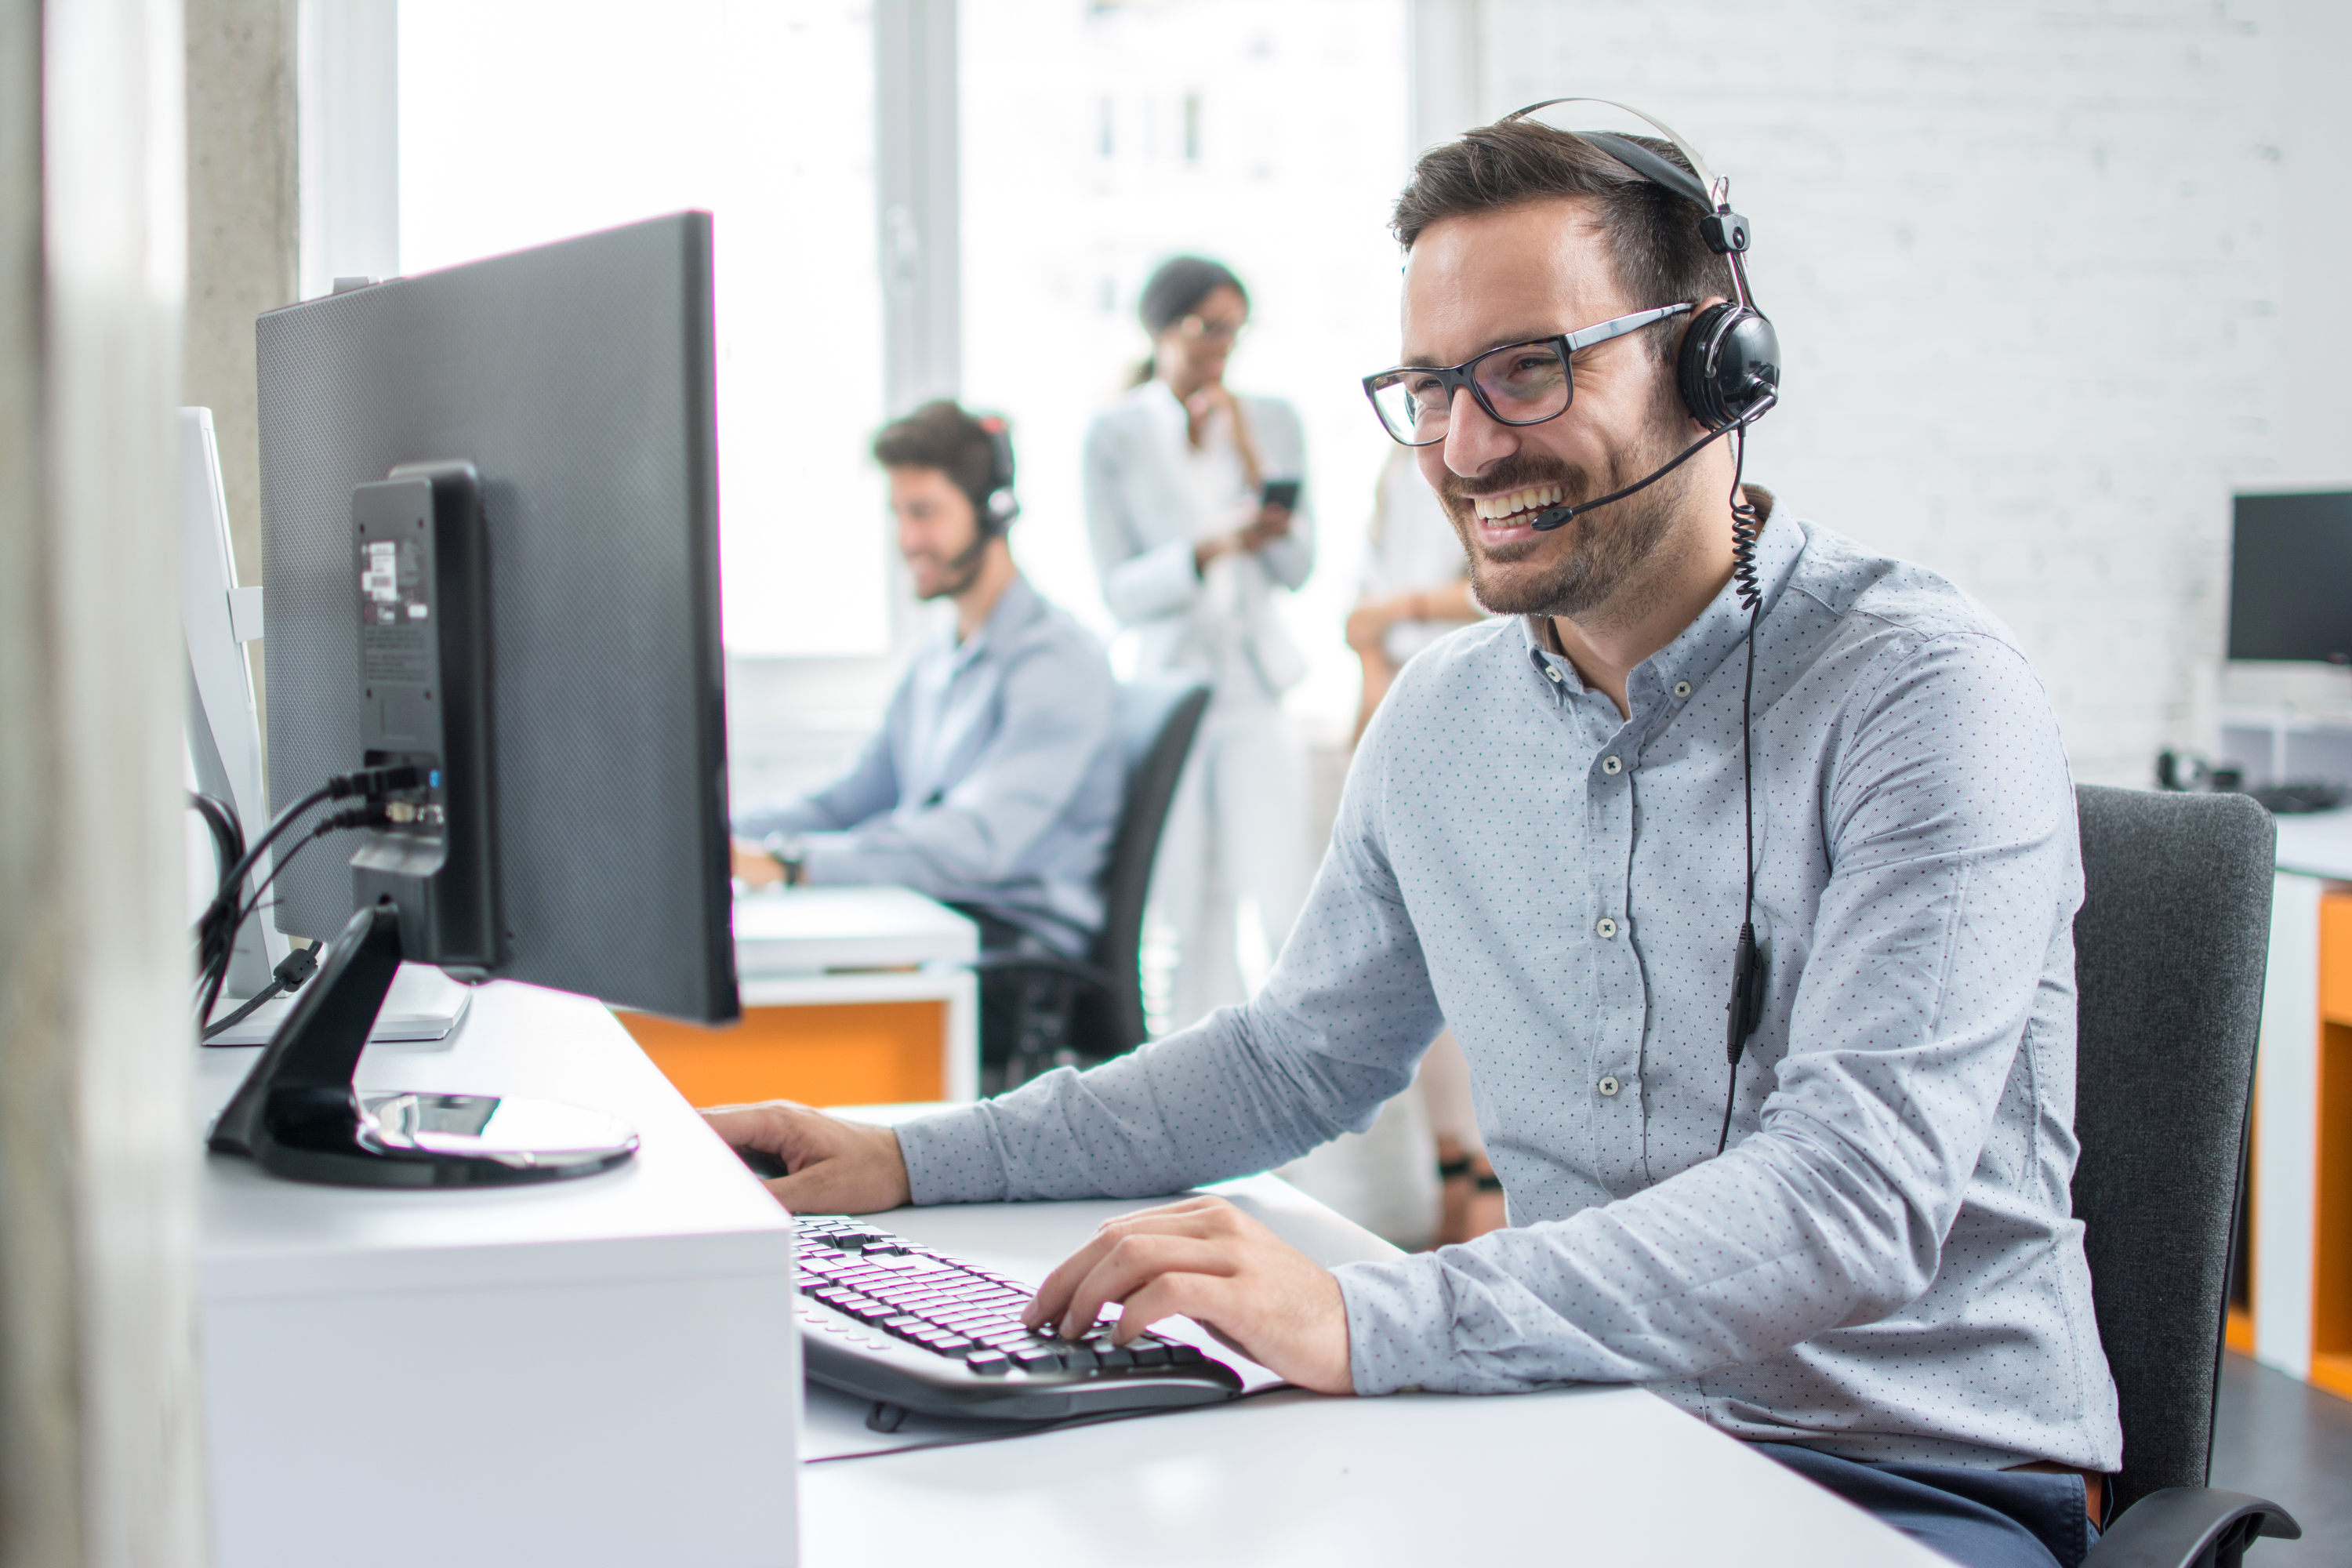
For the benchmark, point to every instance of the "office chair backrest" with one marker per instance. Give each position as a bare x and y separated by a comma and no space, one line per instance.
2170,949
1157,720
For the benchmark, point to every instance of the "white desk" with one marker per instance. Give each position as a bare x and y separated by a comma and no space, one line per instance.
2313,851
588,1371
816,947
1589,1475
808,930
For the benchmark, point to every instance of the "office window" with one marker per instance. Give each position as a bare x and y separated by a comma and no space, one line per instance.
526,120
1099,138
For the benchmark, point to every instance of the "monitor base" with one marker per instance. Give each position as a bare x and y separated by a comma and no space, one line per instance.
298,1116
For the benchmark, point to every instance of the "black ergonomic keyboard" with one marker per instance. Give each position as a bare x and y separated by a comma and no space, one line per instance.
902,1325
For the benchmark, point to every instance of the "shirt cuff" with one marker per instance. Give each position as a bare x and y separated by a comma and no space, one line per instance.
1161,582
1400,1326
953,1157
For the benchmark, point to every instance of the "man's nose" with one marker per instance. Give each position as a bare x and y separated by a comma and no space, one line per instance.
1473,438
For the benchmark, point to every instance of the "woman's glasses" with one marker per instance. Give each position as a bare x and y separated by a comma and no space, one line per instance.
1518,384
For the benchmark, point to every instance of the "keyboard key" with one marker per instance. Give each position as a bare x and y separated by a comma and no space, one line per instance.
1112,1357
1149,1355
1184,1355
1037,1360
985,1361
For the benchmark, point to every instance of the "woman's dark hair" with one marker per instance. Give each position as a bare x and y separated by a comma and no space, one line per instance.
1174,292
942,436
1654,234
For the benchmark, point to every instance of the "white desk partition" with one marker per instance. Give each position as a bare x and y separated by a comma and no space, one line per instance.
590,1372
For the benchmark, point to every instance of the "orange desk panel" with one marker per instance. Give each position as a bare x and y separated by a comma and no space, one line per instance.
861,1052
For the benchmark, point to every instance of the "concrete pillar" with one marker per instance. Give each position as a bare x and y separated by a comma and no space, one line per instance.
100,1458
244,234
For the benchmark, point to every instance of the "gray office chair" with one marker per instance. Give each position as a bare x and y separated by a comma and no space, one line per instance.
2170,947
1077,1013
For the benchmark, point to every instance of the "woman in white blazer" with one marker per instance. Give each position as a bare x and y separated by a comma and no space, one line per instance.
1195,562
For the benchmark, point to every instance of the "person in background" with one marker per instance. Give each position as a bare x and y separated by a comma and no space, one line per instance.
1194,555
1416,588
995,782
1416,583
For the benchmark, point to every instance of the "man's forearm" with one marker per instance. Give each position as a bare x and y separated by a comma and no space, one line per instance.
1201,1106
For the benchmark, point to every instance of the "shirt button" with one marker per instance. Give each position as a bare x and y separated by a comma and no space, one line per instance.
1611,765
1608,1087
1682,688
1606,926
1551,672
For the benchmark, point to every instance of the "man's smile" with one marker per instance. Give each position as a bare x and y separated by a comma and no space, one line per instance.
1512,514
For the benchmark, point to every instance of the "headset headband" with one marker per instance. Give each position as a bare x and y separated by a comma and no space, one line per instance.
1696,187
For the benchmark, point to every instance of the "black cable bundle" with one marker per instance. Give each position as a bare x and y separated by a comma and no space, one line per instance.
216,927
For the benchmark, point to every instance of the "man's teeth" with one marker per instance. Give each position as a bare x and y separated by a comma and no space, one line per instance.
1517,500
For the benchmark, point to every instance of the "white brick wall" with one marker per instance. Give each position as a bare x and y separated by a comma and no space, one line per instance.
2025,262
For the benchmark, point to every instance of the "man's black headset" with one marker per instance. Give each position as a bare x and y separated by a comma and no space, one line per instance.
1728,371
996,506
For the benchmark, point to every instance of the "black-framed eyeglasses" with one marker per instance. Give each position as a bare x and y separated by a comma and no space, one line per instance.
1518,384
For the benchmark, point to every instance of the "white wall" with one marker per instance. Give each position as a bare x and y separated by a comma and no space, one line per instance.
2027,266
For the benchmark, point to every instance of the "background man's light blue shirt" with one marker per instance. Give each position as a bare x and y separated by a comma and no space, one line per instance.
995,779
1884,1264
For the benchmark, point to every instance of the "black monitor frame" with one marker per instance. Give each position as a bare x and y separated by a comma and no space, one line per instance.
560,403
2291,577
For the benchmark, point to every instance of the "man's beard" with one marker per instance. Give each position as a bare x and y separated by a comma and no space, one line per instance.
1605,551
959,573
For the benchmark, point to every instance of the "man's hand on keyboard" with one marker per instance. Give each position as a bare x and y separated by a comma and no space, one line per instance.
1207,1260
834,1166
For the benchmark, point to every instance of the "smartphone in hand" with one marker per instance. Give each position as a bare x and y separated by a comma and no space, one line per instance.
1282,493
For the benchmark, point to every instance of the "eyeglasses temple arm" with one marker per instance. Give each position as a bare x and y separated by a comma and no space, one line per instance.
1620,326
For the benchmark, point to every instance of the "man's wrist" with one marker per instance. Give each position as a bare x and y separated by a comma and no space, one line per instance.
791,855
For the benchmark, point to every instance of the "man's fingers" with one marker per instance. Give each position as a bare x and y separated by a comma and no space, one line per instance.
1193,1216
1203,1298
1134,1263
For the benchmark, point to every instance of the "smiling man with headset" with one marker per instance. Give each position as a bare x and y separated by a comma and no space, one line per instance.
1718,750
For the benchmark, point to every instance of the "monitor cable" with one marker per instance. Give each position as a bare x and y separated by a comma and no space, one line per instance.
218,927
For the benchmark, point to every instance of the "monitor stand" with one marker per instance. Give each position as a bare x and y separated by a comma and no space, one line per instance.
300,1115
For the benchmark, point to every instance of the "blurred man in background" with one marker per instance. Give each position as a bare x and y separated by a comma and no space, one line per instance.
995,782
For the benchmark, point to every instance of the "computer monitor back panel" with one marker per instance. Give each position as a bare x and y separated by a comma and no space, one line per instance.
577,379
2291,577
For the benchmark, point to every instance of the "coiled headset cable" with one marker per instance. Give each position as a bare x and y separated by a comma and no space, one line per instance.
1748,970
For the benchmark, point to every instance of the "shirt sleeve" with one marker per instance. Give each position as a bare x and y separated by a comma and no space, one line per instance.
1055,717
1289,559
1333,1035
1139,582
870,786
1954,870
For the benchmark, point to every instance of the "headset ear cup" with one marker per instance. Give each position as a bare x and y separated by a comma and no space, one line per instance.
1729,357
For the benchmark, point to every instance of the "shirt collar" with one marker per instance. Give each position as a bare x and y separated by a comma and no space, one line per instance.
1016,609
1699,648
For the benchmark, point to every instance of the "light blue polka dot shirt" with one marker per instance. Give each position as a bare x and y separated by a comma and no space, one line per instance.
1884,1264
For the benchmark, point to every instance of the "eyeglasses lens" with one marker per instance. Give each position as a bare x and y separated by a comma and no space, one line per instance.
1524,384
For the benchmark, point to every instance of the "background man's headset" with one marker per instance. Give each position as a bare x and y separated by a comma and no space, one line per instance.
997,506
993,506
1728,371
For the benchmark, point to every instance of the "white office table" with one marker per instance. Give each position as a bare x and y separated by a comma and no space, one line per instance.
1587,1475
588,1371
802,947
808,930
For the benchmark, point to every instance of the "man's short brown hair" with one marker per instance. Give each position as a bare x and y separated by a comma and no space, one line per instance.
941,434
1654,234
